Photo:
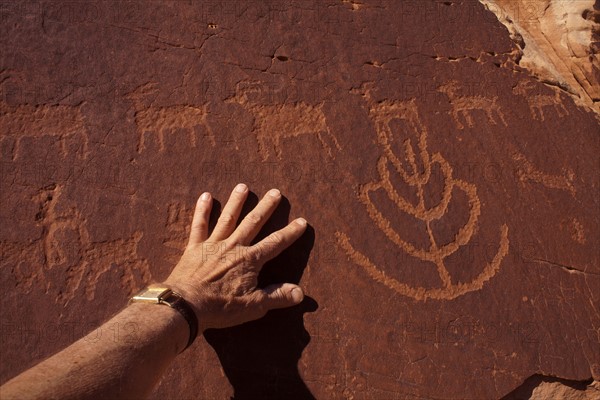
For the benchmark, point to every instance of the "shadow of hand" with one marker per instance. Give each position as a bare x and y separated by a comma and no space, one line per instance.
260,358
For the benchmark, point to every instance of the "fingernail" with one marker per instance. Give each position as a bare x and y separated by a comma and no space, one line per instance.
205,196
297,295
301,221
241,188
274,193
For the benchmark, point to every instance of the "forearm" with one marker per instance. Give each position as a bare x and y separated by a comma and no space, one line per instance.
125,365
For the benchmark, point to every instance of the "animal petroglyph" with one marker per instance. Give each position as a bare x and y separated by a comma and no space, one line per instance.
64,124
540,101
165,120
177,225
177,228
382,114
526,171
465,105
66,245
272,123
577,231
387,110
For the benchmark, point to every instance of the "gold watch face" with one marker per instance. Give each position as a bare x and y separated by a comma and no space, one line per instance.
151,294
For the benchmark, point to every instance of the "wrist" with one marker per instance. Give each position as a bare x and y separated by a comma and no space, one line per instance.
195,297
160,321
167,297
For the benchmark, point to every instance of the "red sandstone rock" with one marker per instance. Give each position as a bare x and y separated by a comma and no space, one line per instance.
453,196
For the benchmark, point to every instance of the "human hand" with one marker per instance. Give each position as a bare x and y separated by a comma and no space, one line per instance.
217,273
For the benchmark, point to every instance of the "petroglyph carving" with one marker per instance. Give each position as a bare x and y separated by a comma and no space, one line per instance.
577,231
526,171
178,225
282,121
465,105
177,228
66,245
26,260
540,101
165,120
388,110
64,124
382,113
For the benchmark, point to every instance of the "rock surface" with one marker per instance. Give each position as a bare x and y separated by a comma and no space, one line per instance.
543,388
559,42
454,197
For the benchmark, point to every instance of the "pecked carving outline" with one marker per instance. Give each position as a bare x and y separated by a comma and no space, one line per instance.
83,260
538,102
65,124
464,105
273,122
164,120
382,114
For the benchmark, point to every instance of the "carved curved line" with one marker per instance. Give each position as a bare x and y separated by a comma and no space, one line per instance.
466,232
434,255
392,194
420,293
384,142
423,150
382,114
420,212
449,183
443,273
409,153
384,225
415,179
386,184
490,269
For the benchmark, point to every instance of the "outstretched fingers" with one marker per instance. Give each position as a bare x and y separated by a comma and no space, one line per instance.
255,220
276,242
199,229
230,214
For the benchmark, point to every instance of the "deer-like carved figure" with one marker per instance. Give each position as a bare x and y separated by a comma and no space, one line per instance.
465,105
539,101
163,120
65,124
273,122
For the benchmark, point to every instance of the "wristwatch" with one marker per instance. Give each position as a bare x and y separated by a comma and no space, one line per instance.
164,295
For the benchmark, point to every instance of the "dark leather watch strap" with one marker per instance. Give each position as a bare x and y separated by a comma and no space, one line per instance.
177,302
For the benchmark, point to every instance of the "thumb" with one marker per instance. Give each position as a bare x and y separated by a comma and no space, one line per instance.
281,295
